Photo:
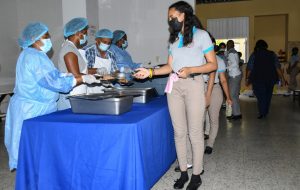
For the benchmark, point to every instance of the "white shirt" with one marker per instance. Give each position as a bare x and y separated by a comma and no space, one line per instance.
233,64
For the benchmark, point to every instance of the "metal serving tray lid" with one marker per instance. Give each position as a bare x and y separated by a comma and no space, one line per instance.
96,96
141,95
101,104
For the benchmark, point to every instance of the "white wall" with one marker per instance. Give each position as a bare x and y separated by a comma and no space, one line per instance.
48,12
73,8
92,14
9,49
144,21
8,37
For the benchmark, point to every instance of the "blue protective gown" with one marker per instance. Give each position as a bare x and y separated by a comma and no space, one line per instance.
123,59
36,92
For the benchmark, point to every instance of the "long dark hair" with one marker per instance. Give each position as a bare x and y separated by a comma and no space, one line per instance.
190,20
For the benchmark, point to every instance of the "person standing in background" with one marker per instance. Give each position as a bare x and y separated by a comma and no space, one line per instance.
293,70
241,61
221,51
213,111
263,72
234,78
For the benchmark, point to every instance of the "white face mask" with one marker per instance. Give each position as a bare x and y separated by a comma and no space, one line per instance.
103,46
47,45
83,41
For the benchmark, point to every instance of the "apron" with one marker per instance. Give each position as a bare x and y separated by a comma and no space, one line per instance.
99,62
63,101
81,89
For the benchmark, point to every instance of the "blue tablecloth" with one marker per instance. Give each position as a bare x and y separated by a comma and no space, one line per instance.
66,151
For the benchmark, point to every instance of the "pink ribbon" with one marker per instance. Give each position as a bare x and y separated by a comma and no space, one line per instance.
173,78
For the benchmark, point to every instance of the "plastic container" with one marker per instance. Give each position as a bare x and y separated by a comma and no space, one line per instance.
228,110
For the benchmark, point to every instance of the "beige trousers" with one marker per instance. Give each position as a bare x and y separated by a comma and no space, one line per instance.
213,113
187,106
293,78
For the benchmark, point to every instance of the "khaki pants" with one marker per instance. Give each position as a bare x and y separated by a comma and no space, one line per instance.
213,113
187,106
293,78
234,90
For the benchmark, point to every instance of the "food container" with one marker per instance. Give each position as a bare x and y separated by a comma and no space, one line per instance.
105,103
141,95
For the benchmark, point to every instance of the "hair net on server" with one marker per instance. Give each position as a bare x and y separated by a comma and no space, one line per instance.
75,25
31,33
118,35
104,33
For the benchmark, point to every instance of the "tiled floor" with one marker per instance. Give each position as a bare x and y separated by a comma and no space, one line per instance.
248,154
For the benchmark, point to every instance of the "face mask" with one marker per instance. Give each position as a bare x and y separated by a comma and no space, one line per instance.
125,44
47,45
175,25
103,47
83,41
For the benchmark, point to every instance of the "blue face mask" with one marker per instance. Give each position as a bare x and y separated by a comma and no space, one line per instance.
83,41
47,45
125,44
103,47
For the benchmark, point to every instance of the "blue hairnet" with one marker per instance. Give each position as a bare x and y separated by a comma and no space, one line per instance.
75,25
104,33
118,35
31,33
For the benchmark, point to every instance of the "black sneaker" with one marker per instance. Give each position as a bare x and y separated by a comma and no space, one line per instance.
261,116
235,117
208,150
179,183
194,183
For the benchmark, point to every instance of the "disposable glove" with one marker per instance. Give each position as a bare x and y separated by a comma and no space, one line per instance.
89,79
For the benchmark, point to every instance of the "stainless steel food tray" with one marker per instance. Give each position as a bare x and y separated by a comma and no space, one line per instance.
141,95
110,104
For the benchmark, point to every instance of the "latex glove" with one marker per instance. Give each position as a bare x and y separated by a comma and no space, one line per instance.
89,79
102,71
